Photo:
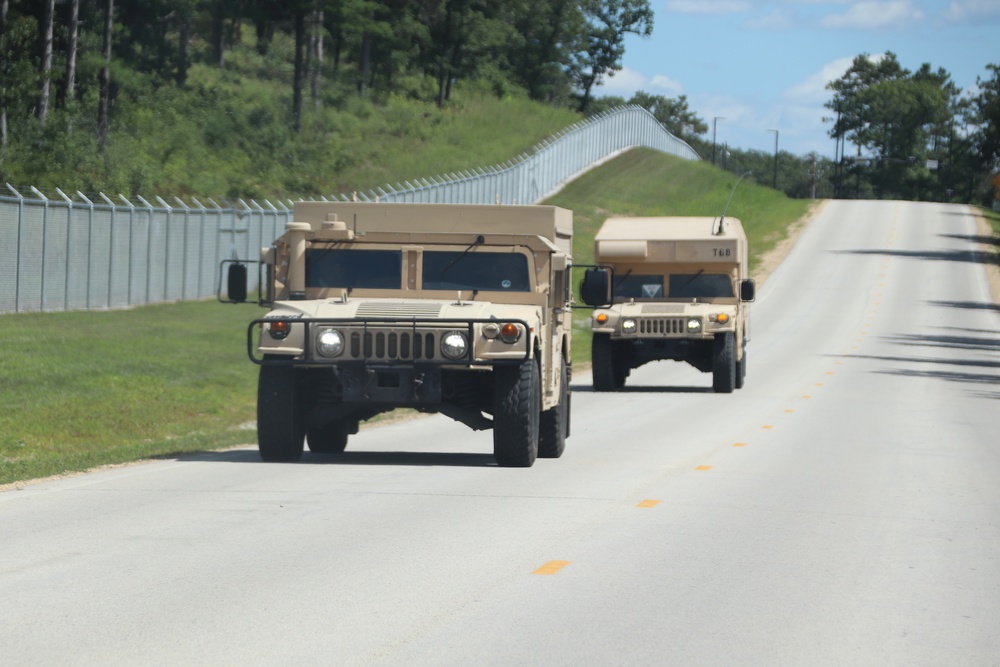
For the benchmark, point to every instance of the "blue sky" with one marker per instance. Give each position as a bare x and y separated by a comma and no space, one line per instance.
763,65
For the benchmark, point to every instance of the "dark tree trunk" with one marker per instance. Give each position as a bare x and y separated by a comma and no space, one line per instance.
299,76
4,5
71,49
45,68
366,63
183,42
219,32
103,105
315,54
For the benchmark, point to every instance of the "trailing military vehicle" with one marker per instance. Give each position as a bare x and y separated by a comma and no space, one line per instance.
670,288
461,310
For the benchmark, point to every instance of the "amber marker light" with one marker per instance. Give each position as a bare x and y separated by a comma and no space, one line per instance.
279,329
722,318
510,332
602,318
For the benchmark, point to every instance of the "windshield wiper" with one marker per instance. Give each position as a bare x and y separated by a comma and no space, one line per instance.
479,241
691,279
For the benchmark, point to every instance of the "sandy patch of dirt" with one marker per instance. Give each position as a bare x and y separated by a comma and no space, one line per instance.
984,230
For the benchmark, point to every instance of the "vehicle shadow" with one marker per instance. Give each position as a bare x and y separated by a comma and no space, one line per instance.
967,305
642,389
397,458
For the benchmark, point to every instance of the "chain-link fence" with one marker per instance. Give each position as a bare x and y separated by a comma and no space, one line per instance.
75,253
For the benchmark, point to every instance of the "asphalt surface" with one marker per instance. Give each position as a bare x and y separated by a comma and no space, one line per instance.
841,509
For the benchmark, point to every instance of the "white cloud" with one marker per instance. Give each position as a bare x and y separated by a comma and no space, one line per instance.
874,15
779,19
709,7
627,81
666,85
971,11
813,89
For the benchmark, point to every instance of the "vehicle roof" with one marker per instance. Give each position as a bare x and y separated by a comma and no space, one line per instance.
667,228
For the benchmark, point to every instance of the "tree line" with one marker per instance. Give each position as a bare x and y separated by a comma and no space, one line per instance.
55,53
913,135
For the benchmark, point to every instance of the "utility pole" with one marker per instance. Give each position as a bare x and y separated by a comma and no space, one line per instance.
775,183
714,125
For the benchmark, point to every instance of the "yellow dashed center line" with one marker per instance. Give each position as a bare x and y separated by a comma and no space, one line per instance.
767,426
703,468
648,503
739,444
552,567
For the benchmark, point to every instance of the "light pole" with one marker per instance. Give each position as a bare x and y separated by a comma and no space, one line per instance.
775,184
714,124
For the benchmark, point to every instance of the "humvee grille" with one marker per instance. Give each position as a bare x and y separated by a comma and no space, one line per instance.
392,345
381,309
662,325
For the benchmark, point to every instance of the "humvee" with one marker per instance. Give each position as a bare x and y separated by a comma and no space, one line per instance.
670,288
461,310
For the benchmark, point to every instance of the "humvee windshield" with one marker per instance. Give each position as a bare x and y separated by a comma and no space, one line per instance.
443,270
372,269
686,286
497,271
679,286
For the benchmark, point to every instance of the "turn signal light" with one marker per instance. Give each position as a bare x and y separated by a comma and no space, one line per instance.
722,318
510,332
602,318
279,329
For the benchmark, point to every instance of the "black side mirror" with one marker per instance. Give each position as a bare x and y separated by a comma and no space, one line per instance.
748,290
236,281
595,290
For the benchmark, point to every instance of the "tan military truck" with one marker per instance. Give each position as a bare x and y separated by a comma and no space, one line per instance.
457,309
670,288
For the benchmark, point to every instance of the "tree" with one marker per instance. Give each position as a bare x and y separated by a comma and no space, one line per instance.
105,94
673,114
608,21
74,37
987,117
45,68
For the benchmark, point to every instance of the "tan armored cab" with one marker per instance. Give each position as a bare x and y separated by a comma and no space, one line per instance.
457,309
670,288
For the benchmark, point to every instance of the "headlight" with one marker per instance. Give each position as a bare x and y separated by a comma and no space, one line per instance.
694,325
454,345
330,343
628,326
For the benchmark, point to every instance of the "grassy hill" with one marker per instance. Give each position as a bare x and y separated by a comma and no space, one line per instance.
83,389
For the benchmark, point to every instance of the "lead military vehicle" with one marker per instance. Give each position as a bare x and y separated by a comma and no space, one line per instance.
670,288
456,309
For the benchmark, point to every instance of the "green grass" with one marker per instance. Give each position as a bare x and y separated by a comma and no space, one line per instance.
83,389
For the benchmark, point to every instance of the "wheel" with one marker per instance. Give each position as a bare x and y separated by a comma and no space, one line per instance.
724,364
280,422
607,377
331,438
741,370
553,429
516,414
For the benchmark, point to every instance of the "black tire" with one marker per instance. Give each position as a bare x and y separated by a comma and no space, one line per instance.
602,357
741,370
724,364
331,438
516,414
553,429
280,415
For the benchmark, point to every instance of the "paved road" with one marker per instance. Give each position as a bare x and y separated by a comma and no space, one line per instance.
842,509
